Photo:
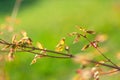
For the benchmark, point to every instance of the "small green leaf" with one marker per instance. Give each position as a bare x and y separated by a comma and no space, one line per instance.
90,32
85,47
61,45
77,39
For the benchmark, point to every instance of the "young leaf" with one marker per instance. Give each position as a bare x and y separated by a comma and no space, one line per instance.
85,47
77,38
90,32
81,29
43,50
29,41
102,61
14,39
25,40
39,45
73,33
61,45
5,47
11,54
35,59
24,34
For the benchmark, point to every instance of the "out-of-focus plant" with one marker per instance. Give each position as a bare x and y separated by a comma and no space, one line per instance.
6,30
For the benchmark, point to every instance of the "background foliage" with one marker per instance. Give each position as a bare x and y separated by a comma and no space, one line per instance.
48,21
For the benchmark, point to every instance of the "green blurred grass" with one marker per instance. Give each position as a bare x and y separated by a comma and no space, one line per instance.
48,21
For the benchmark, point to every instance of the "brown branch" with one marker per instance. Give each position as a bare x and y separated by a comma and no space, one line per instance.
107,65
51,51
65,56
46,55
99,51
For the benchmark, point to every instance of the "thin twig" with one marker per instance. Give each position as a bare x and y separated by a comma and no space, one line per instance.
99,51
32,49
45,55
107,65
51,51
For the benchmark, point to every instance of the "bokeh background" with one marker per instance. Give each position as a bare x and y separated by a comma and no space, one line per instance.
48,21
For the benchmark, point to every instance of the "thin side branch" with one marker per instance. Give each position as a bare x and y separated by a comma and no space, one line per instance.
99,51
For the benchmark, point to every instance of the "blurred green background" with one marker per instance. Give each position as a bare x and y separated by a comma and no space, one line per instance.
48,21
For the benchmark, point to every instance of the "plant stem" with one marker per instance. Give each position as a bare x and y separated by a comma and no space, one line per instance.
32,49
99,51
45,55
51,51
107,65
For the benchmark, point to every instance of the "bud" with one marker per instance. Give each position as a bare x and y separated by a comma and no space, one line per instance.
61,45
